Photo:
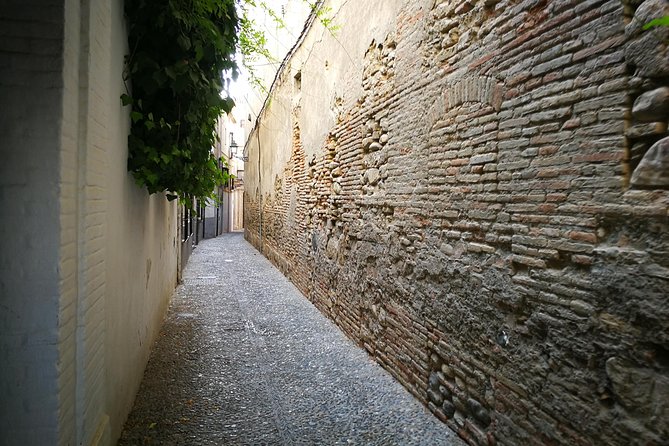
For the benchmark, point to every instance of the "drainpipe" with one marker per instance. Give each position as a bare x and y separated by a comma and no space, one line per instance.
259,183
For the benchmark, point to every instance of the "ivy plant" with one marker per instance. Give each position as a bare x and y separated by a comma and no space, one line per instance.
181,55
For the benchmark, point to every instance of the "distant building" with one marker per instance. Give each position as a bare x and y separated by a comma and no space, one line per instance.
226,214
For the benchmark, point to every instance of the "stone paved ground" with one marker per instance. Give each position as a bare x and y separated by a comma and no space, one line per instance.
245,359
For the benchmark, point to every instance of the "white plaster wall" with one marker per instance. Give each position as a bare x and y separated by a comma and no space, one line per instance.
275,132
88,259
141,253
126,239
331,65
280,40
31,35
69,187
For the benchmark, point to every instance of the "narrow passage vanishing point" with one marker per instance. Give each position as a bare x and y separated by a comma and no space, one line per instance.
245,359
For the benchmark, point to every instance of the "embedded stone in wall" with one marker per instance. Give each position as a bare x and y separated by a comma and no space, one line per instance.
448,399
648,50
484,90
372,176
653,170
652,106
375,138
633,386
639,389
379,66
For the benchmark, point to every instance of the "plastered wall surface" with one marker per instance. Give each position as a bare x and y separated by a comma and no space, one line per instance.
141,260
477,193
30,76
107,248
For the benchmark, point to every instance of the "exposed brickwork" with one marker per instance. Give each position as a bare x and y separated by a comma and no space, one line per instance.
470,220
81,299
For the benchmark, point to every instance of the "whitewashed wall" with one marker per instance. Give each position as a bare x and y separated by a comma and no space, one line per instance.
89,260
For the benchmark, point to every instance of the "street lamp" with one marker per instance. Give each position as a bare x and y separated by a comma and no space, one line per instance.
233,145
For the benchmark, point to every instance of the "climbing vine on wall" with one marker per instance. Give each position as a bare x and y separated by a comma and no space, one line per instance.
181,54
252,39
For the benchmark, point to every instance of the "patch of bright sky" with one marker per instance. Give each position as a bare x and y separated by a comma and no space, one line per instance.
247,96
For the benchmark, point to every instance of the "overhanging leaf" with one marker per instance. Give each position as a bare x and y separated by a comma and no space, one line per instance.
660,21
136,116
126,100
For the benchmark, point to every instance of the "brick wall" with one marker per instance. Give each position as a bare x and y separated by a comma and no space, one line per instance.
477,193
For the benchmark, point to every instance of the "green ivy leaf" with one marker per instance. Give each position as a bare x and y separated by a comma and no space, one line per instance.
228,104
152,178
126,100
159,77
169,71
660,21
199,52
136,116
184,42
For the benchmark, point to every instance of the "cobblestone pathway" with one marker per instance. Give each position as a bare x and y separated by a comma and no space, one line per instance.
245,359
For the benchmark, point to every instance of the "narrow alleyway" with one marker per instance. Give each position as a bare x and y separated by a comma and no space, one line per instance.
245,359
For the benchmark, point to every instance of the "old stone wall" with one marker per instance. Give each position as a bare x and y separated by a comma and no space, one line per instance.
477,192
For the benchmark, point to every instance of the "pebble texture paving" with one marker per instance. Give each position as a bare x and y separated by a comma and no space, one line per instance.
245,359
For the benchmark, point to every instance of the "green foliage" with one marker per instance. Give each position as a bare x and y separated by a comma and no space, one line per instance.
181,53
180,50
252,41
324,15
661,21
252,38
